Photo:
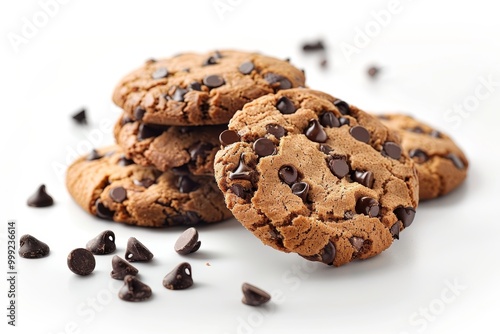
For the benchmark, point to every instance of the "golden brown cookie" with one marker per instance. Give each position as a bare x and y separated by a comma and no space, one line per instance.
202,89
441,164
310,174
109,186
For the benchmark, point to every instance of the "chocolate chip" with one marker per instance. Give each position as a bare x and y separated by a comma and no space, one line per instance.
239,190
228,137
148,131
392,150
357,243
328,119
80,117
367,206
405,215
360,133
122,268
395,229
313,46
325,149
139,113
217,54
93,155
179,94
418,155
118,194
213,81
277,81
125,120
338,167
181,170
187,242
81,261
300,189
246,68
243,171
150,61
288,174
146,182
102,244
192,218
435,134
187,70
123,161
327,255
102,211
210,61
32,248
264,147
179,278
285,106
348,215
40,198
315,132
344,121
136,251
342,106
134,290
365,178
323,63
416,129
373,71
456,161
276,130
254,296
195,86
186,185
200,151
160,73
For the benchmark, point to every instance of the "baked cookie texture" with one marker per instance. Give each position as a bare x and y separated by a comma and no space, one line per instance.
441,165
109,186
167,147
308,173
202,89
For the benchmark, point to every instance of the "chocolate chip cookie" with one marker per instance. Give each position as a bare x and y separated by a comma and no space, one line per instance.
201,89
311,174
165,147
441,164
109,186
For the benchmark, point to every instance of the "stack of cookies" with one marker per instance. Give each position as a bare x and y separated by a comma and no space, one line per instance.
205,136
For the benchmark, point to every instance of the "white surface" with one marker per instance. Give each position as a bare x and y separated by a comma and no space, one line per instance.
433,54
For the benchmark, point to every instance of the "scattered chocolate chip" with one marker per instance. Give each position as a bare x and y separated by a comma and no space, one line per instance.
315,132
80,117
338,167
373,71
456,161
239,190
102,211
365,178
160,73
435,134
210,61
277,81
392,150
246,68
342,106
254,296
325,149
243,171
264,147
228,137
122,268
179,94
195,86
186,184
81,261
118,194
32,248
123,161
418,156
288,174
102,244
148,131
136,251
328,119
187,242
213,81
300,189
395,230
179,278
344,121
313,46
146,182
367,206
285,106
40,198
276,130
405,215
200,151
360,133
139,113
134,290
357,243
93,155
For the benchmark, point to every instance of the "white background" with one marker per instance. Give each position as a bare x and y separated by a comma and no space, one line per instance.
435,55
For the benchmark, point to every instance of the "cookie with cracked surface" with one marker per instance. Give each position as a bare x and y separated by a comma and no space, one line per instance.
202,89
166,147
311,174
109,186
441,164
